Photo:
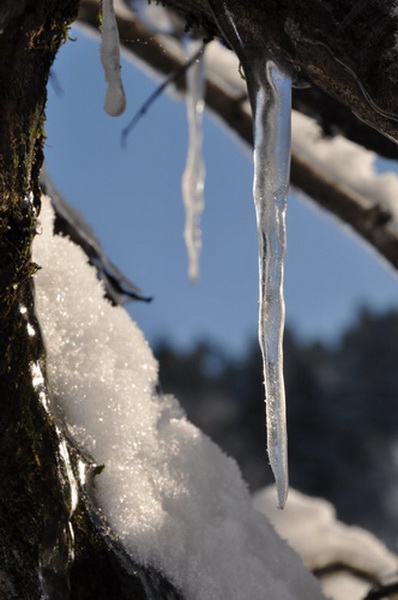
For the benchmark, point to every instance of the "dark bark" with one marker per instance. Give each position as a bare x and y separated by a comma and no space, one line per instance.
31,480
48,548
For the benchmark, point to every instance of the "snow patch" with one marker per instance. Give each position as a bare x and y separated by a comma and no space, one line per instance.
173,498
345,163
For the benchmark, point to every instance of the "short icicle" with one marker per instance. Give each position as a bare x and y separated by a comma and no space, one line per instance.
115,100
270,97
194,173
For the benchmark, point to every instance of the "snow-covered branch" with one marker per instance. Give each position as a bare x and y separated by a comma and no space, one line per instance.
371,215
321,42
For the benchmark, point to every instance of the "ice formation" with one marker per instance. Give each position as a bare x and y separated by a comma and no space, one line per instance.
172,497
115,100
270,97
194,173
271,181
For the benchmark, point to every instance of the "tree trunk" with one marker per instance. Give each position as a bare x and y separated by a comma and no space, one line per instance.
53,543
30,478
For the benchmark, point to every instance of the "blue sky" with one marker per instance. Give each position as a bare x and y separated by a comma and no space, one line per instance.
132,198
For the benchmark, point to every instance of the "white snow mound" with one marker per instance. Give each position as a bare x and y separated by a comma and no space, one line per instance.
169,493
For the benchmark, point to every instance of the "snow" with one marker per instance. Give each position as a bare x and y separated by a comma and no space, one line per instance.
115,100
310,526
171,496
158,18
223,68
345,163
194,173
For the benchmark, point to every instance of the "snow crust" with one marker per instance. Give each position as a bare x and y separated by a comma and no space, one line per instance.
173,498
311,527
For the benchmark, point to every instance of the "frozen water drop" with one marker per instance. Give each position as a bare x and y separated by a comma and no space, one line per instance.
115,100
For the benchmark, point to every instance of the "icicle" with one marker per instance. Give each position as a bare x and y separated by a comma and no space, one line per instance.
270,96
115,100
194,173
271,181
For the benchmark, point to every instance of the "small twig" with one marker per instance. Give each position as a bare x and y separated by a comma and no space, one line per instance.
159,90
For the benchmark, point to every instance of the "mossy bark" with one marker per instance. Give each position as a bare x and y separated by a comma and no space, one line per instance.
50,547
33,509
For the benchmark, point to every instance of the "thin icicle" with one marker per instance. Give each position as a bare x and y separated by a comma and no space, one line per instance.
270,96
194,173
115,100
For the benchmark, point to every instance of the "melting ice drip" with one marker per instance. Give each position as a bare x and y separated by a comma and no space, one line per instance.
115,100
270,97
194,173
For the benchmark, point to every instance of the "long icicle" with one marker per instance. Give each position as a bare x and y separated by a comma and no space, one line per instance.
272,110
270,97
194,173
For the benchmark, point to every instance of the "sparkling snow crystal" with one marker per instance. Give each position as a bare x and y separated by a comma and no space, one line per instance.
173,498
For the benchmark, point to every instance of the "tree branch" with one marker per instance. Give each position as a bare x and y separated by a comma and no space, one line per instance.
322,42
164,55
